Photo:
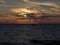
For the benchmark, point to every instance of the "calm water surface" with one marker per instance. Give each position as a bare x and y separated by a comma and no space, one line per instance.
22,33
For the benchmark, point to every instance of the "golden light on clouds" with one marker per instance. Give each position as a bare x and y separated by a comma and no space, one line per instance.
25,10
38,12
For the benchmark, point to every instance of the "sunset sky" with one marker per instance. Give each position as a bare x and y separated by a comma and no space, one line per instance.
48,6
38,7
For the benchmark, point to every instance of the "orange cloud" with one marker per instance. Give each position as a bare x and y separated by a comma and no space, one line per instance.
21,10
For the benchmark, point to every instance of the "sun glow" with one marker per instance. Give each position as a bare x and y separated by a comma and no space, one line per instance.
25,10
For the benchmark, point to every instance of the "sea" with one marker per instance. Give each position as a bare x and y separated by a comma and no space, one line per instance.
22,33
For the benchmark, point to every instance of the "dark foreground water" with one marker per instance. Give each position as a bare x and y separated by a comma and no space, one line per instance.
28,34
